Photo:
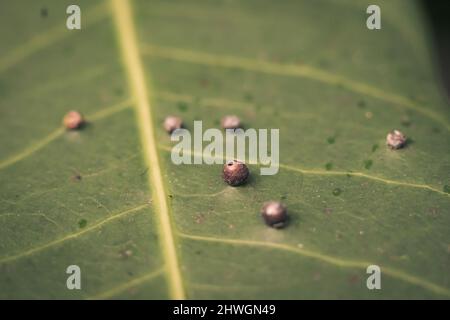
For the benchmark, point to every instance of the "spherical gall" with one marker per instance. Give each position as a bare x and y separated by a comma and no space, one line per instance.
395,139
274,214
235,172
171,123
231,122
73,120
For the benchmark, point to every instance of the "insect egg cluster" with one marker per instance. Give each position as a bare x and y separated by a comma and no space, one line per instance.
236,173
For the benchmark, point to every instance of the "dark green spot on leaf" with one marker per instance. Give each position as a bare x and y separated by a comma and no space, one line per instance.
368,164
337,192
361,104
182,106
446,188
329,166
82,223
44,13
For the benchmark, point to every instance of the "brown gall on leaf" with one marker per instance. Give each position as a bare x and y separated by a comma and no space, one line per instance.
235,173
171,123
73,120
395,140
274,214
230,122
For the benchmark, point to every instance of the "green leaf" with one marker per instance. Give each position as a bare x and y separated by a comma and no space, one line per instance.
108,198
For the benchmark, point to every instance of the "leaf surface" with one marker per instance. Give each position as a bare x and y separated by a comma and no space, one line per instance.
108,198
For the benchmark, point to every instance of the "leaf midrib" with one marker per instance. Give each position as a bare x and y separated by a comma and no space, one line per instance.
123,19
